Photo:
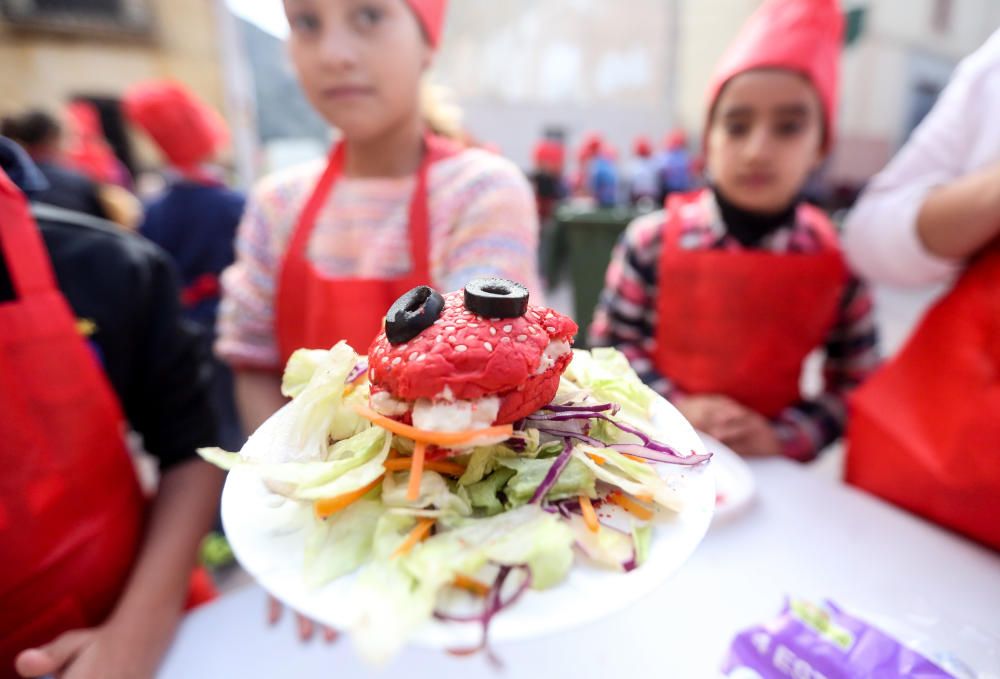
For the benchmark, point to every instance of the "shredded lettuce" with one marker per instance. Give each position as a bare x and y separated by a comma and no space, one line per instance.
393,597
483,494
576,479
322,408
633,477
608,547
294,479
642,537
339,544
356,476
483,460
606,375
434,493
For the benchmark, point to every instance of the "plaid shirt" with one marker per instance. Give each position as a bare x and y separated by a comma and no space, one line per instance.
626,318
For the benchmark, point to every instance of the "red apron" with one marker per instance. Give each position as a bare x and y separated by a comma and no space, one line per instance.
925,430
71,510
742,323
317,312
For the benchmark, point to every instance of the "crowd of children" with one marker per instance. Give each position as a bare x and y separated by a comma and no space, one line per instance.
716,299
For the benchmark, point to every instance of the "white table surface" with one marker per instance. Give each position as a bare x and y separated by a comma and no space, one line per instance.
805,535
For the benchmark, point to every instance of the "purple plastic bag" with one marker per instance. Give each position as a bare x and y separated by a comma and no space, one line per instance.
812,642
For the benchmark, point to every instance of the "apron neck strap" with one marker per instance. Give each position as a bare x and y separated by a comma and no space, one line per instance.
21,243
434,149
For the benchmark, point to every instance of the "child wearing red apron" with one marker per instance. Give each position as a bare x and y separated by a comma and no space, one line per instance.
94,574
925,430
718,299
324,249
195,218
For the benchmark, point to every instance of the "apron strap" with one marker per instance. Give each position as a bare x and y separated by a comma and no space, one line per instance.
21,244
673,220
418,228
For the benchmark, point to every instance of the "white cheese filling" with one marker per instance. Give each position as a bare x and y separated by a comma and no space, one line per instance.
552,353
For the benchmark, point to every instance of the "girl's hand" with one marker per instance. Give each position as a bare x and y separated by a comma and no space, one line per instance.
306,627
94,653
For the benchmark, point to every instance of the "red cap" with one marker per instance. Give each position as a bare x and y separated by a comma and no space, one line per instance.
590,146
430,14
675,139
87,150
186,130
804,36
548,153
642,147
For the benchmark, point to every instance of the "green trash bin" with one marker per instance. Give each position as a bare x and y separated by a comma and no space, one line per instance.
589,238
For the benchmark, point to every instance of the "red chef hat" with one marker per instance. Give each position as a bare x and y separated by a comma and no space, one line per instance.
548,153
87,149
430,14
187,131
675,139
642,147
590,146
804,36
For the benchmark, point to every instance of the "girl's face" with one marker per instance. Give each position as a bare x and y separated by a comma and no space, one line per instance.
765,137
359,61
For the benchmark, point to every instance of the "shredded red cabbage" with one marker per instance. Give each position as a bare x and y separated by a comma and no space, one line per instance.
493,604
648,449
553,474
359,369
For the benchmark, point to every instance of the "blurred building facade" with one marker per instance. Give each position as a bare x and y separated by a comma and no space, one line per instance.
641,67
54,50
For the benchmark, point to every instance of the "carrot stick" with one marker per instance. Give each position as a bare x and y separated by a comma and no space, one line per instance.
471,585
596,458
331,505
438,438
589,515
418,533
416,470
631,506
636,458
402,463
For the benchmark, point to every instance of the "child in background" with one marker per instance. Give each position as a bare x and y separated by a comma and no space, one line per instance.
676,166
643,181
718,299
195,219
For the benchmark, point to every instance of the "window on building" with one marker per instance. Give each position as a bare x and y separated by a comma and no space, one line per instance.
120,16
941,20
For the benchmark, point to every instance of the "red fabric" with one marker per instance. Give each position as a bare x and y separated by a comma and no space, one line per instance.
590,146
186,130
548,154
201,589
741,323
71,511
642,147
316,312
87,150
675,139
431,14
804,36
202,288
500,358
924,432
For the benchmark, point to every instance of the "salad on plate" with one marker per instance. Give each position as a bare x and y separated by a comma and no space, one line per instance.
470,457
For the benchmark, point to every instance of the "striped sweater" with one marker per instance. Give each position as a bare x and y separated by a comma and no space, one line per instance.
482,223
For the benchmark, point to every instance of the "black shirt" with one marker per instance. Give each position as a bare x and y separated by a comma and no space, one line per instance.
126,290
69,189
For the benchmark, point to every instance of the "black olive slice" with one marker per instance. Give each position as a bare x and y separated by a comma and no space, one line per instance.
496,298
413,313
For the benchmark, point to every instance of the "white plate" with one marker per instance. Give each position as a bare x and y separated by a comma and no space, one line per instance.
250,514
734,485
